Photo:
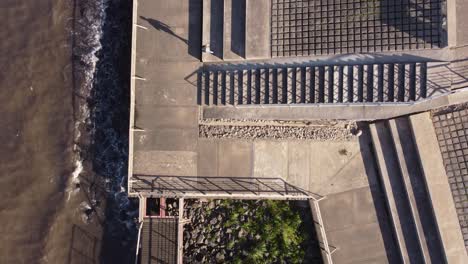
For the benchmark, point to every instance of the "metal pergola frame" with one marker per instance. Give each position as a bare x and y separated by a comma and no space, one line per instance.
217,187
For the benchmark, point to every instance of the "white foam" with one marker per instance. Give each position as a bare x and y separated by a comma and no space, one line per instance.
88,43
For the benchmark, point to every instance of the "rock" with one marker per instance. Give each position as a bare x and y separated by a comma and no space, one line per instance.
213,221
241,233
211,205
220,257
201,239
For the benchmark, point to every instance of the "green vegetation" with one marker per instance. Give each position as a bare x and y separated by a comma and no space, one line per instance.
268,232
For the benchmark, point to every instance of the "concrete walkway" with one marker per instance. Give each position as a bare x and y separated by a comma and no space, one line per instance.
167,51
353,210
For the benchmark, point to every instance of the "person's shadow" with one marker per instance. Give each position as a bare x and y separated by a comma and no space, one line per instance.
163,27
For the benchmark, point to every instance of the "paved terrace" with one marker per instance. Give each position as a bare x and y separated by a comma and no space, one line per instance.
165,119
164,136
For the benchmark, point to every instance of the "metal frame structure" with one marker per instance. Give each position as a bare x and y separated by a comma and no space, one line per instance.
217,187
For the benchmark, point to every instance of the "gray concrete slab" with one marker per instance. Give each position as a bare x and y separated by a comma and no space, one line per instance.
358,244
258,29
270,159
171,30
168,139
349,208
207,157
461,7
150,93
235,158
299,164
173,163
166,55
340,168
151,117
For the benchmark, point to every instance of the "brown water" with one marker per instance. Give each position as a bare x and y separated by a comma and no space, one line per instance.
41,211
37,124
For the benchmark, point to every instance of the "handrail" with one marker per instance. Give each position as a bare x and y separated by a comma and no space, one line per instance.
323,234
138,242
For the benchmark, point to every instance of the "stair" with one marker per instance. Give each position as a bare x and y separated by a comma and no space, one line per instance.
443,205
213,29
312,84
406,190
159,240
236,30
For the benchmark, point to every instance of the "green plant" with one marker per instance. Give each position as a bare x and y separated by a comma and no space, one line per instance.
272,232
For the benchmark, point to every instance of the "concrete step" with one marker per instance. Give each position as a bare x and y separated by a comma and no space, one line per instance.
396,195
213,30
416,189
438,189
323,84
234,30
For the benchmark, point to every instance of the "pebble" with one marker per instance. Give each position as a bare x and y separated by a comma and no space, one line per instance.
321,133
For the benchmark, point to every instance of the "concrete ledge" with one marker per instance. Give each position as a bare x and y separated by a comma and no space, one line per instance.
360,112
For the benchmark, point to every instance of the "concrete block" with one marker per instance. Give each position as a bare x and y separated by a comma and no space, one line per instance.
235,158
338,169
258,29
168,139
358,244
153,117
173,163
270,159
207,157
298,164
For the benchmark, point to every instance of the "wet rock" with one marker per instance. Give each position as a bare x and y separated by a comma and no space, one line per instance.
220,257
201,239
241,233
